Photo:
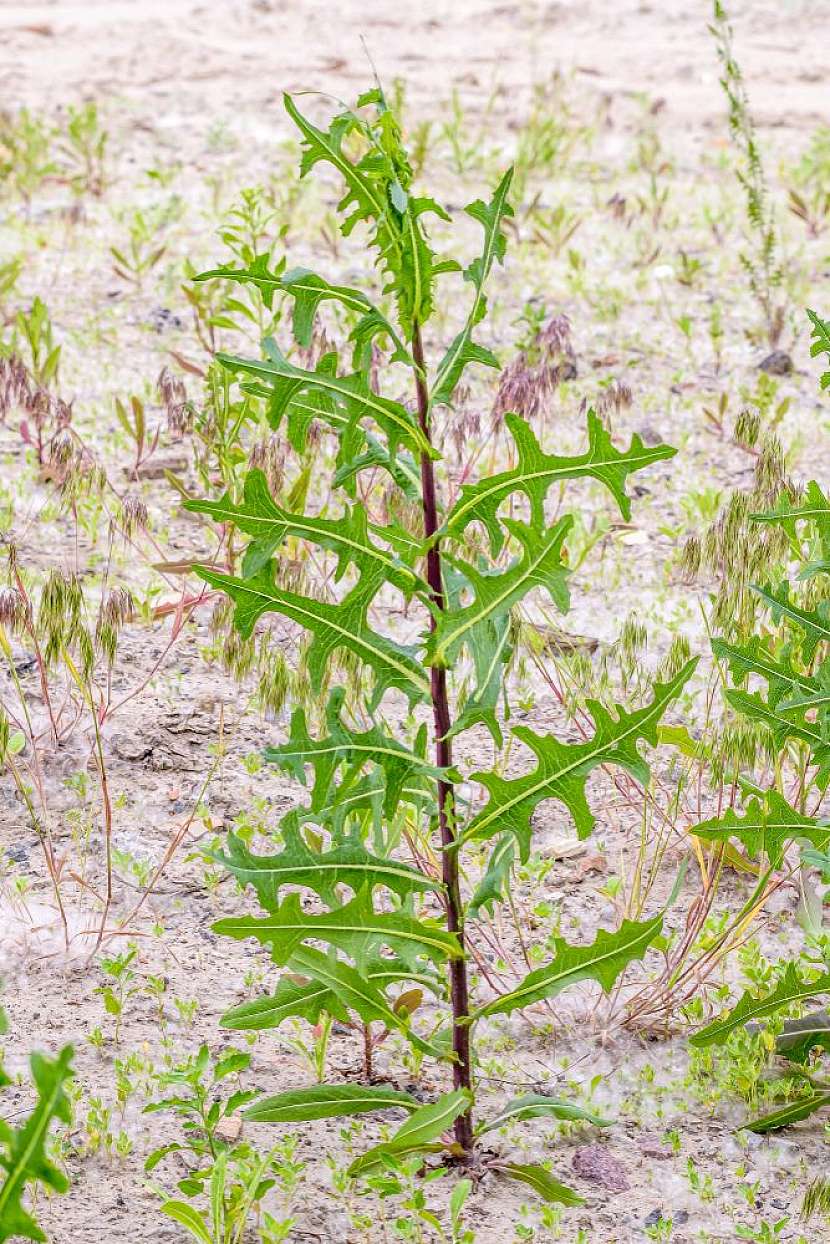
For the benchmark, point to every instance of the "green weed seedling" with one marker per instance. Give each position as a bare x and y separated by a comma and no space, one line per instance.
384,934
226,1171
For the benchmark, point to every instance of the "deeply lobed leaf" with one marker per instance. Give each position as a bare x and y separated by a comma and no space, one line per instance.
536,472
563,768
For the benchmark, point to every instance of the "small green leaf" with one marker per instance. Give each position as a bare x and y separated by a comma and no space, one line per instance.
23,1154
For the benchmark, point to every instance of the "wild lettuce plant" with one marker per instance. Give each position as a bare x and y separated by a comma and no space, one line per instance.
377,934
789,659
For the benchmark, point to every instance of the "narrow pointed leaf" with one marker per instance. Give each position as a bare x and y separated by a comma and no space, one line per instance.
539,1106
793,1112
493,885
189,1218
327,1101
463,349
541,1181
359,994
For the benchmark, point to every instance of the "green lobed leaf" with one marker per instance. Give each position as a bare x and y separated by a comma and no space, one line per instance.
536,472
539,566
784,724
377,194
765,826
491,650
602,961
349,864
258,515
352,393
563,768
350,752
813,623
355,928
327,1101
309,290
820,343
333,626
815,508
418,1134
754,658
789,990
402,469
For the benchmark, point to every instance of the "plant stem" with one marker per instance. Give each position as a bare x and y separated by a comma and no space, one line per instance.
459,991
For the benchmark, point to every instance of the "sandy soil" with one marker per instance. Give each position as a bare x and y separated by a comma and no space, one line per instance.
197,84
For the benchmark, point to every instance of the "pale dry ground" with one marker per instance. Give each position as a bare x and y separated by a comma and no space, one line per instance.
164,74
